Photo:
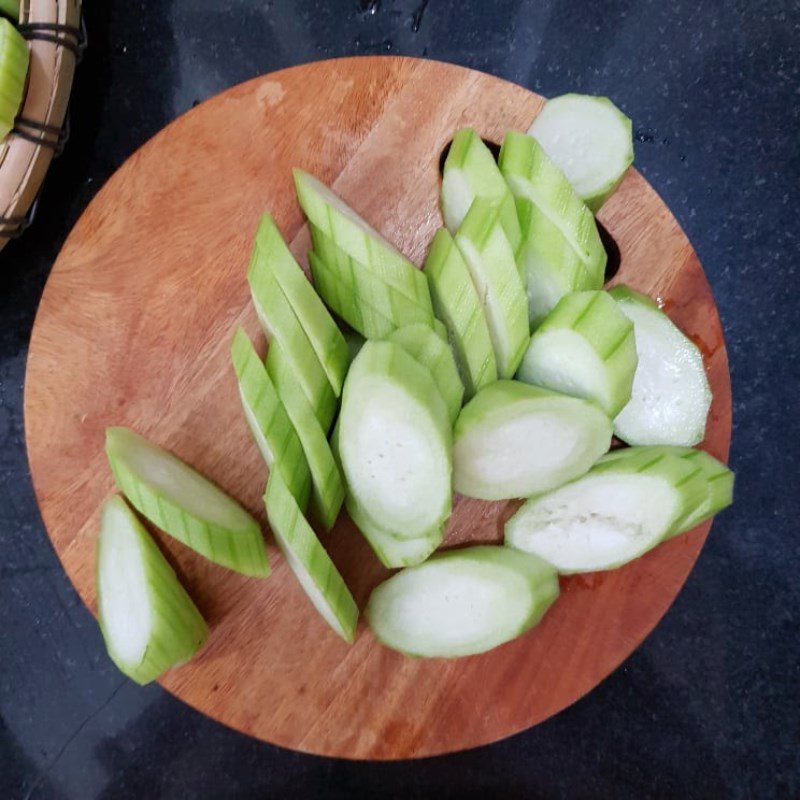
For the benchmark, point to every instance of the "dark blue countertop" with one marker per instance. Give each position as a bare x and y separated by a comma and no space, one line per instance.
709,706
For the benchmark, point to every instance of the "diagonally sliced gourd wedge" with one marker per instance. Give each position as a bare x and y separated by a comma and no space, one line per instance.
462,602
428,348
456,302
719,482
307,558
149,622
470,171
550,267
269,423
395,441
540,187
513,439
585,348
623,507
492,265
327,488
357,239
374,306
186,505
671,397
325,337
590,140
282,325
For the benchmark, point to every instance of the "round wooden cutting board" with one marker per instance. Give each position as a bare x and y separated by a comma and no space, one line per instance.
134,329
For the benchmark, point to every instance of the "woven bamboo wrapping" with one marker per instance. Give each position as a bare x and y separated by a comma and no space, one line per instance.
24,163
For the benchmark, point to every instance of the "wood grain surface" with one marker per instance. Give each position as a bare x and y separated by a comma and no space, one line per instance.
134,329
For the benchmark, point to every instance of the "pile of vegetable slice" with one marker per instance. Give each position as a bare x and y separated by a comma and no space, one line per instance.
500,371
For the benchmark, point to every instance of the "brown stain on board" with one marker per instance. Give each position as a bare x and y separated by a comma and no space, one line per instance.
134,329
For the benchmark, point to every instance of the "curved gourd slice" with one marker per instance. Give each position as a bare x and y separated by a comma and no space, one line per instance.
590,140
623,507
585,348
456,302
282,325
671,397
327,488
470,171
541,188
492,265
364,300
395,441
428,348
186,505
331,215
719,482
462,602
269,423
307,558
513,439
148,622
324,336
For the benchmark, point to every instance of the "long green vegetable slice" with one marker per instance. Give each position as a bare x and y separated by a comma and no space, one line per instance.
325,337
540,187
457,304
549,265
148,622
671,397
307,558
590,140
327,488
282,325
269,423
585,347
512,440
430,350
492,265
186,505
331,215
470,171
14,59
623,507
366,301
395,441
462,602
